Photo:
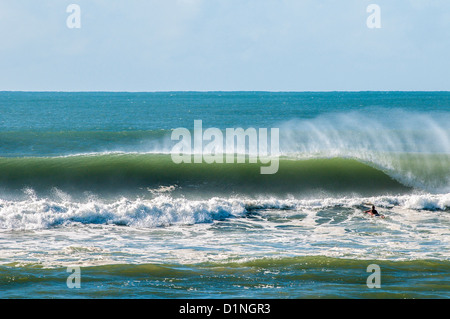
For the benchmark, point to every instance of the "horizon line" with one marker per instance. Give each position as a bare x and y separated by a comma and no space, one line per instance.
219,91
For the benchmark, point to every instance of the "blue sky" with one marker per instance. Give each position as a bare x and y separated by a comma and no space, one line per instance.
214,45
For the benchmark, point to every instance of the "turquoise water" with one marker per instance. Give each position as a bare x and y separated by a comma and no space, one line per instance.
303,277
87,180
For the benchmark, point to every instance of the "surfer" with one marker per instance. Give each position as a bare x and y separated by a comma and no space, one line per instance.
373,212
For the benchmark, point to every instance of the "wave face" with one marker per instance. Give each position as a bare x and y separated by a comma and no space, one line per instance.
134,173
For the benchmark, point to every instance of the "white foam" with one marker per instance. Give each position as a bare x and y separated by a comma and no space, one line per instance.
163,210
34,213
67,232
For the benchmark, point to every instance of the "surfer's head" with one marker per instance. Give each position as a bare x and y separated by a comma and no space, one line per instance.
373,207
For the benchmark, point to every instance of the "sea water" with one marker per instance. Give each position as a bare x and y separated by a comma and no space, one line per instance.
87,180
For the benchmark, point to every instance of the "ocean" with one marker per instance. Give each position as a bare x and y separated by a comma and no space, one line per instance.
92,204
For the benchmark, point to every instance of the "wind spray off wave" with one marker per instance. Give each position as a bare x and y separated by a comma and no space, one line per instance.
412,147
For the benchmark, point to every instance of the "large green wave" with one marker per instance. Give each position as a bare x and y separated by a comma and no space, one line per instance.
139,172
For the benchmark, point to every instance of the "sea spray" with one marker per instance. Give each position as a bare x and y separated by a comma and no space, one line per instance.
412,147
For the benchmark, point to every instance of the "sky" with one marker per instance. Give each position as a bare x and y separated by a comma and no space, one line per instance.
224,45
